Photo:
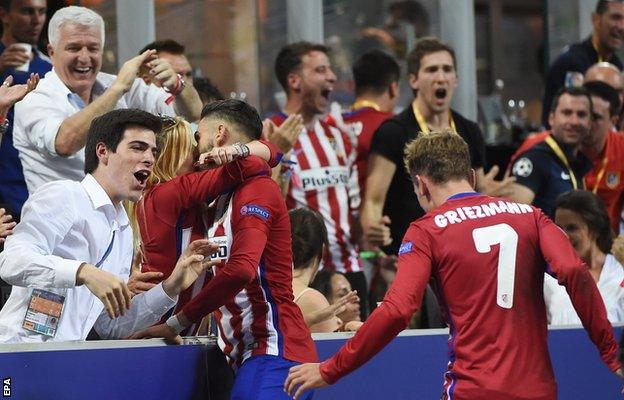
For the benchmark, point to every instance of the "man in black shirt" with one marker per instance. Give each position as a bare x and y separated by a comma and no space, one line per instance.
605,40
432,76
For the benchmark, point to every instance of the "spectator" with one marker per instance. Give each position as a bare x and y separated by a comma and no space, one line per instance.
207,91
173,53
556,166
583,217
73,245
22,23
601,45
335,287
262,332
52,122
324,177
309,239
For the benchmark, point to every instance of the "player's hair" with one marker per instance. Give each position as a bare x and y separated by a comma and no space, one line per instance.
80,16
593,212
374,71
605,92
167,46
244,117
309,235
603,5
207,91
572,91
424,47
289,59
110,128
441,156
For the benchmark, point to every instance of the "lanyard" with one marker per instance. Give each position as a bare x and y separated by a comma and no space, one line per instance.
423,125
107,252
600,174
365,103
561,155
600,59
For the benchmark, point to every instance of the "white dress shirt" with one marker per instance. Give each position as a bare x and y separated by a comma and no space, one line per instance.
559,307
39,116
65,224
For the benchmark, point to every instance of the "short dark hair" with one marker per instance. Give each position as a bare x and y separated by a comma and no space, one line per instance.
289,59
322,282
603,5
236,112
607,93
167,46
374,71
426,46
110,128
207,91
309,234
593,212
572,91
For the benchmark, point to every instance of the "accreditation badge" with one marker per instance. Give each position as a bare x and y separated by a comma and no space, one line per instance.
612,179
44,312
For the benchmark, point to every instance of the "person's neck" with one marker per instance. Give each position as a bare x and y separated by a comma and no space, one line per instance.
378,102
434,119
572,148
594,151
294,105
303,276
595,261
604,53
106,184
441,193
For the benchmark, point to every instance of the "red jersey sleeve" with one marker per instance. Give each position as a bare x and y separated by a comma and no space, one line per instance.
571,272
186,190
253,207
393,315
276,153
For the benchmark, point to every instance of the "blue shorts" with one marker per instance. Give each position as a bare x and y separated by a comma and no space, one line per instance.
262,378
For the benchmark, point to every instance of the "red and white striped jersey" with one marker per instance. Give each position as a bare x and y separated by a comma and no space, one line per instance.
324,178
251,290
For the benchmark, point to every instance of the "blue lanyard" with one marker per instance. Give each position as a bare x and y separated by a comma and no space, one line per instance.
107,252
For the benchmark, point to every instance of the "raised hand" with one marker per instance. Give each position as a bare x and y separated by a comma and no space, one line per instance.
131,69
490,186
218,156
9,95
193,261
111,290
13,56
143,281
303,377
285,135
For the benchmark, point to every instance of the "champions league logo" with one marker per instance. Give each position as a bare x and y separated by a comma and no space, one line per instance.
523,167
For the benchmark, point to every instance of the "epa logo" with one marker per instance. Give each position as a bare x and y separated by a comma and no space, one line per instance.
6,387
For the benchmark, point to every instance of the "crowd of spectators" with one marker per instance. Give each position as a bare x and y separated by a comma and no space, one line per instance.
71,135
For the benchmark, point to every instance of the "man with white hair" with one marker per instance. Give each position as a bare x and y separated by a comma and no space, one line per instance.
53,121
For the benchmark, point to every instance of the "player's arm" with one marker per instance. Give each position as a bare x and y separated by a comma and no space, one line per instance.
380,173
390,318
565,266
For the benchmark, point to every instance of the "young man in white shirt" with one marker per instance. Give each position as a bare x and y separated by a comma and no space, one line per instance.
73,245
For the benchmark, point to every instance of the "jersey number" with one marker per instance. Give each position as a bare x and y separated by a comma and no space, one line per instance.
505,236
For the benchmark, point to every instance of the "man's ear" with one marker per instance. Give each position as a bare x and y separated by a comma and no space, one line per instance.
50,50
102,153
294,82
393,90
222,136
413,81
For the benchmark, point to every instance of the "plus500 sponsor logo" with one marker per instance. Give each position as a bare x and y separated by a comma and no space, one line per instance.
323,178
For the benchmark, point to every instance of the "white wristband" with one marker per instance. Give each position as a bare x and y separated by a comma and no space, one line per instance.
174,323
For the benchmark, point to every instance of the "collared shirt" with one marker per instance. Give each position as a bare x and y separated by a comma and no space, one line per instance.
65,224
13,189
41,113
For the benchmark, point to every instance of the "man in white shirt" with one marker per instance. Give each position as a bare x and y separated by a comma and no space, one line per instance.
52,122
73,245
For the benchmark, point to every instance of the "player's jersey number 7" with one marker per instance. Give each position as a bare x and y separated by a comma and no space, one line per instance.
505,236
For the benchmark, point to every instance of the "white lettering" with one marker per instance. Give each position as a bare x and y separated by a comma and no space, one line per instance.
452,217
469,213
440,221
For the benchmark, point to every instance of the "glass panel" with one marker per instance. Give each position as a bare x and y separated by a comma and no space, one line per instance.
272,36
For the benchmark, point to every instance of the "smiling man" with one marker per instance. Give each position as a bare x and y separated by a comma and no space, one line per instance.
324,177
556,165
73,245
52,122
606,38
